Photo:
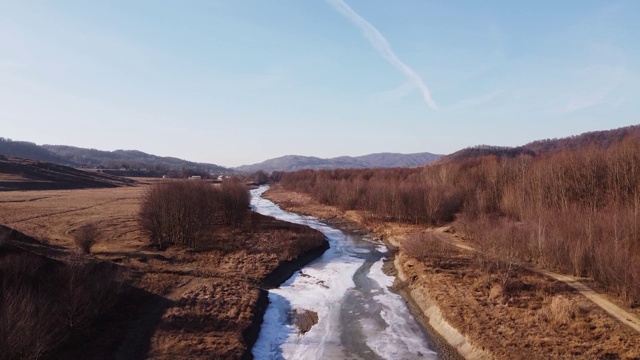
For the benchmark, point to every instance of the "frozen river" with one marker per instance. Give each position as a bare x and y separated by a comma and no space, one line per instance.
359,316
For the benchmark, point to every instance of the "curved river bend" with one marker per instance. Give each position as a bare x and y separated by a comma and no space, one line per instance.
359,317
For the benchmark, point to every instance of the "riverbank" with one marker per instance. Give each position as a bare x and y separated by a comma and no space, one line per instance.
480,312
275,278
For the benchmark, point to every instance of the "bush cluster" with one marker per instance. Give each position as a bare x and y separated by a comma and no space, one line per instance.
185,213
85,237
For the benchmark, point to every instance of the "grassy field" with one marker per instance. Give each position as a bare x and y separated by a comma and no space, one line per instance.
181,304
53,215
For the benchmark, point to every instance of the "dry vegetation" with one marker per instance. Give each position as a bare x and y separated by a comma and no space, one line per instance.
186,213
491,295
304,319
523,315
577,211
46,304
178,303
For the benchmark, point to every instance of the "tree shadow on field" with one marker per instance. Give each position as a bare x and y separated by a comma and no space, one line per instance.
13,237
137,341
116,256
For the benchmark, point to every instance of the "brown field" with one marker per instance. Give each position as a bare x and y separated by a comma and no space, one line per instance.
510,312
183,304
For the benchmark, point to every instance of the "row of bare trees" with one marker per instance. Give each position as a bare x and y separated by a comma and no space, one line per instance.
575,210
405,195
186,212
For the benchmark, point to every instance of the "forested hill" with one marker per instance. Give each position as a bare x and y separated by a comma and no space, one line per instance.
601,139
82,157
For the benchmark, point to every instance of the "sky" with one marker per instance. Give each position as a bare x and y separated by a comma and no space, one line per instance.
236,82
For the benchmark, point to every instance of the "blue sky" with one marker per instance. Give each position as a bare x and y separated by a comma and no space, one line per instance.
237,82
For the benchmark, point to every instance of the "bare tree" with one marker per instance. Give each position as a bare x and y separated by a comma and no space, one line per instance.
178,212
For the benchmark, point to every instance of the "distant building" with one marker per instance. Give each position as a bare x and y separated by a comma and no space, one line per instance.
195,177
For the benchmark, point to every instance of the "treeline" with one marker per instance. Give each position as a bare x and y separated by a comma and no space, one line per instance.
405,195
577,210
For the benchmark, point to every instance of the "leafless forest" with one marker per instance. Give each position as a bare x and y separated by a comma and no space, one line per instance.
575,209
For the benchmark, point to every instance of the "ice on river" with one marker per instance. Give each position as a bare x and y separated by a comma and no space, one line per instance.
359,317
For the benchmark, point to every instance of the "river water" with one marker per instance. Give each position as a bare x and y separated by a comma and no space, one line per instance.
359,316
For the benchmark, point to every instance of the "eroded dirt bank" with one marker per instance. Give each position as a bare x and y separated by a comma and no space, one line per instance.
481,312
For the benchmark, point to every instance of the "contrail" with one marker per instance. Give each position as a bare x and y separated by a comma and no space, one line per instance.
383,48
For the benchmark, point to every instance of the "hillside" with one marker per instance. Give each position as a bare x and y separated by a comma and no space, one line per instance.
82,157
29,150
600,139
379,160
133,159
23,174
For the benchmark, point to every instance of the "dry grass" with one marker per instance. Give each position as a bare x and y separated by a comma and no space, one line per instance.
531,317
304,319
57,214
560,311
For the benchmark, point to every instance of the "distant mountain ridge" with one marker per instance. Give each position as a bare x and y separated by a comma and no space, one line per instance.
82,157
378,160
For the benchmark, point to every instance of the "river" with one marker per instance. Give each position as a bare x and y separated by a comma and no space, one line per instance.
359,316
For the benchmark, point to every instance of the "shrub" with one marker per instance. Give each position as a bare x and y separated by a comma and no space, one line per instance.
85,237
429,245
559,311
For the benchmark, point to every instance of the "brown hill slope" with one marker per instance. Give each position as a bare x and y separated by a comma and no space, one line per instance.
23,174
602,139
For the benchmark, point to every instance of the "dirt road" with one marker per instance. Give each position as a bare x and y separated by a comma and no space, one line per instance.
600,300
